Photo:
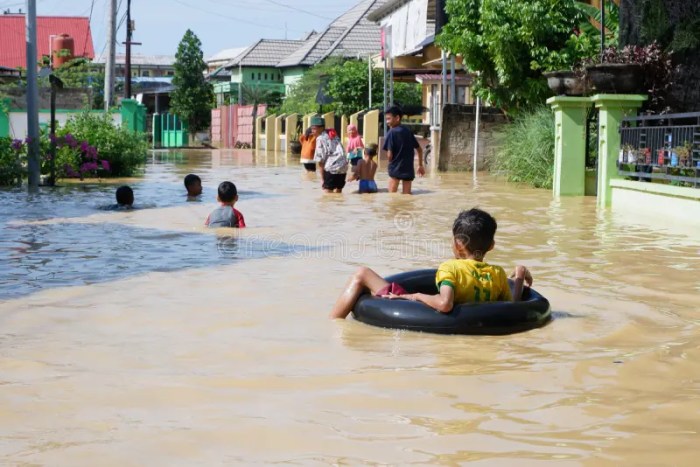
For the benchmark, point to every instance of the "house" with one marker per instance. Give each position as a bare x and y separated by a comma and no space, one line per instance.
256,66
222,57
142,66
278,64
352,35
410,27
13,48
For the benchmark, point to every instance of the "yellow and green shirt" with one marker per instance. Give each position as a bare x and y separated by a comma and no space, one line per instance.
474,281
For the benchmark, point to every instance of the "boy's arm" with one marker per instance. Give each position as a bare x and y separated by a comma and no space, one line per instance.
239,217
442,302
421,169
520,276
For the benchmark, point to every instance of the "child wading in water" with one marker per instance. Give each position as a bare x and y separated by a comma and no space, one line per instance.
226,215
354,146
467,278
193,185
366,169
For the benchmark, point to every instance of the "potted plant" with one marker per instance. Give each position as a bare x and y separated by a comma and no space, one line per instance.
631,70
683,154
566,82
295,144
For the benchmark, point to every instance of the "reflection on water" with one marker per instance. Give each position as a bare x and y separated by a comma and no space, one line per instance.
42,256
189,346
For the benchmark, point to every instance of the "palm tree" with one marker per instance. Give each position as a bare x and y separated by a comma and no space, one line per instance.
256,95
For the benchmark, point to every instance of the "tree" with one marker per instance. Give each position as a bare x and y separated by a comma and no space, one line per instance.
509,43
193,96
256,95
347,83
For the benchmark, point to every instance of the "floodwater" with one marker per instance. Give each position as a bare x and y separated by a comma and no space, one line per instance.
140,338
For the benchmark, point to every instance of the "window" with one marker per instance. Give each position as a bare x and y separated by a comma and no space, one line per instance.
265,76
170,73
252,76
145,73
279,77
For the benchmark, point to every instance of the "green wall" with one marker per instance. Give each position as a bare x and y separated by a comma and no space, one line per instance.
291,76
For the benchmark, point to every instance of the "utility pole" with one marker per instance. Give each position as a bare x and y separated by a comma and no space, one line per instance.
127,59
111,43
34,167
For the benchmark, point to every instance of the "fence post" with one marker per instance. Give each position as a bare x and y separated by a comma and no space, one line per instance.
343,129
290,131
270,133
279,144
329,119
156,130
4,117
612,109
370,130
128,110
569,144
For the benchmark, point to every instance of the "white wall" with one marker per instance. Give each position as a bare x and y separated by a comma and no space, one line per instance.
18,121
409,27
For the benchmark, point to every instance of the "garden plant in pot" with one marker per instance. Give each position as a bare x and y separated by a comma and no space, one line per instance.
631,70
295,144
565,71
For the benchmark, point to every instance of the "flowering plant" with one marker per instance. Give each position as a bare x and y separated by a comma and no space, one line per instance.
76,159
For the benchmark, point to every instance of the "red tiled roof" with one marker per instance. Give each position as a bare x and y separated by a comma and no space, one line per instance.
12,37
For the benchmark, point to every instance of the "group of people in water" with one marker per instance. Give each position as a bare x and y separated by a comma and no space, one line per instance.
322,149
466,278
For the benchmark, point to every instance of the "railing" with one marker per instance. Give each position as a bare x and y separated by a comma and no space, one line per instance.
661,147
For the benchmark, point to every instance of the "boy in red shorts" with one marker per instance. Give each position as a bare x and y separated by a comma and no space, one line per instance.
467,278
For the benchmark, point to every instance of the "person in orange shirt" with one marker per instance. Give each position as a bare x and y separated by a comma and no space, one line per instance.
308,149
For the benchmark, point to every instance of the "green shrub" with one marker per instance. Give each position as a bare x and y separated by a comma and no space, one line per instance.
527,154
124,150
11,152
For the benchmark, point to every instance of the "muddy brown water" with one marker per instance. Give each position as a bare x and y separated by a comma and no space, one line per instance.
140,338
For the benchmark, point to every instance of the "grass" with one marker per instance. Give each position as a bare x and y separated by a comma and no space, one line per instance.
527,154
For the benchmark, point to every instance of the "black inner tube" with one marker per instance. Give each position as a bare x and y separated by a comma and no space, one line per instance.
486,318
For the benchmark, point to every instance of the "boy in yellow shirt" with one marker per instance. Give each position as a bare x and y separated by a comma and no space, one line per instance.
467,278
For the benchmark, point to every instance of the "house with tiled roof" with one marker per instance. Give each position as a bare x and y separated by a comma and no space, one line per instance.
278,64
13,48
256,66
352,35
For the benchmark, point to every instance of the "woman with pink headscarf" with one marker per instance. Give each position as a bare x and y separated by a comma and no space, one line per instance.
355,145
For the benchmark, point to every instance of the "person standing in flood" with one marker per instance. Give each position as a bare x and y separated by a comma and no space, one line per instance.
330,156
401,146
308,149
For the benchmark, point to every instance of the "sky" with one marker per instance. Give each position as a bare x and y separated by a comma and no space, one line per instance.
219,24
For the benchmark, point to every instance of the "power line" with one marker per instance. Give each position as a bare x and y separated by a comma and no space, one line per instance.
219,15
310,13
92,6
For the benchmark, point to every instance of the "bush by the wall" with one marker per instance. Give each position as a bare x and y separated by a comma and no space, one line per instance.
11,152
527,154
123,150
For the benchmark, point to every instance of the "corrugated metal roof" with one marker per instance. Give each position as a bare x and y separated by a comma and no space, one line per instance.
265,52
226,54
141,60
350,35
12,37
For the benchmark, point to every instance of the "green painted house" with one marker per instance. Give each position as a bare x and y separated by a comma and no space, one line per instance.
278,64
256,66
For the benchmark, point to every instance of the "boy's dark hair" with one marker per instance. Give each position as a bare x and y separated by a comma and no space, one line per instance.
191,179
371,150
394,110
475,229
125,195
227,192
